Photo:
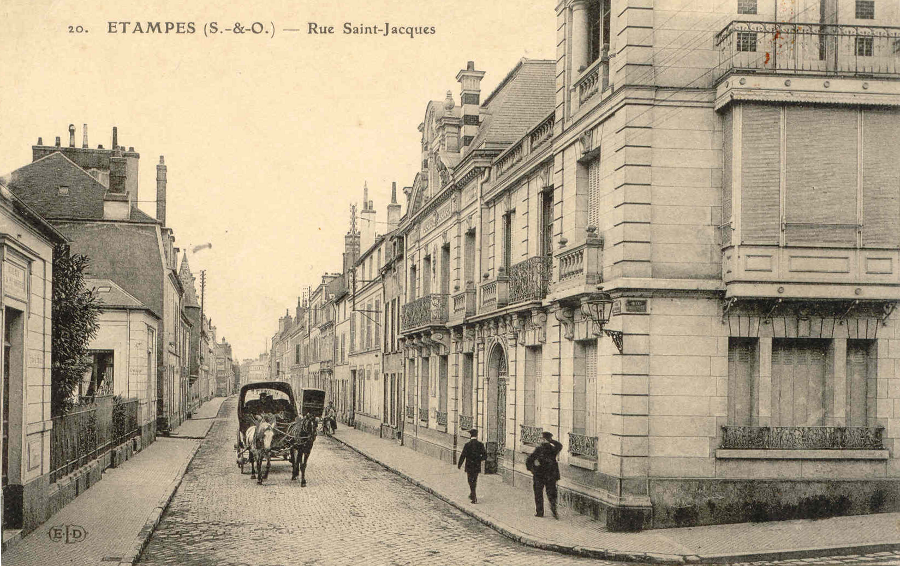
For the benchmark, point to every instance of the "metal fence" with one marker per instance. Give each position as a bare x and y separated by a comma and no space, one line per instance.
88,433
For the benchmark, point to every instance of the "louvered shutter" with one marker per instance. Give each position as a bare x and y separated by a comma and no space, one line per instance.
594,193
857,381
881,179
728,149
741,381
590,371
760,174
821,176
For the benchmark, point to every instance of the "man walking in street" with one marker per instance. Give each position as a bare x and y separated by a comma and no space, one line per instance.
545,472
473,454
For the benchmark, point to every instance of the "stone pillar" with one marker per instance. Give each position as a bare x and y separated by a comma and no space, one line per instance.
579,35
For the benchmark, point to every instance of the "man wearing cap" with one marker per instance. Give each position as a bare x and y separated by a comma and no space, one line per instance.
545,473
473,454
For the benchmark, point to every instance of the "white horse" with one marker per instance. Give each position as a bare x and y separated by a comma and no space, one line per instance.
259,439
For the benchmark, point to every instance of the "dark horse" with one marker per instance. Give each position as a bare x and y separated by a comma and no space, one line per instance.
259,439
303,434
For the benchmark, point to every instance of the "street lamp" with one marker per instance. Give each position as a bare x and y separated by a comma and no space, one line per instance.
598,309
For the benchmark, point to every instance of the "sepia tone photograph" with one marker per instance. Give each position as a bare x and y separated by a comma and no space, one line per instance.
392,282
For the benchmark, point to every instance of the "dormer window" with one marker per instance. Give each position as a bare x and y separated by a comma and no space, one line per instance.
598,29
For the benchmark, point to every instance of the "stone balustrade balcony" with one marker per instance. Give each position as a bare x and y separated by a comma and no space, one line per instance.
494,294
580,266
463,304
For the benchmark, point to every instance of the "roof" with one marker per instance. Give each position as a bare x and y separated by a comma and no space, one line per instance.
187,281
525,97
38,184
32,217
112,295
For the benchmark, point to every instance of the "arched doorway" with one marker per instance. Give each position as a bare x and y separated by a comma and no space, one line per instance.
495,424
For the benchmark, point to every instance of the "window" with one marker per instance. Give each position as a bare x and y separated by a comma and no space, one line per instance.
467,364
100,380
442,384
861,366
547,222
424,376
598,29
411,287
469,257
368,325
343,348
864,46
798,382
426,276
508,221
532,387
297,353
865,9
445,269
584,387
411,385
746,7
375,318
746,41
743,364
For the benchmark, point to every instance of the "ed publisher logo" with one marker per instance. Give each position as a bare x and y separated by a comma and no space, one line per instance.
69,534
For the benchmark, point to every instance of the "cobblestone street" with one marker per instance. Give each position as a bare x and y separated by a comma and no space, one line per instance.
353,511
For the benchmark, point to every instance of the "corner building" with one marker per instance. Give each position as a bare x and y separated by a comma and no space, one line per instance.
684,266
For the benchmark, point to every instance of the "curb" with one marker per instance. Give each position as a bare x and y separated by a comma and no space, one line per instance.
644,557
143,537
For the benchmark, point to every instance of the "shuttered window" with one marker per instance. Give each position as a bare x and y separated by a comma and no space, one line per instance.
760,174
467,362
798,382
821,176
861,360
728,149
881,179
594,193
532,365
743,371
590,366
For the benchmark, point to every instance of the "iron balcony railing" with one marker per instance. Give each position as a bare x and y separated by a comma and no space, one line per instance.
528,279
423,414
808,48
410,412
803,438
425,311
530,434
466,422
442,418
583,446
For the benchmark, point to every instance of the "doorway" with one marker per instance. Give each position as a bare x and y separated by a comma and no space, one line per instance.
495,422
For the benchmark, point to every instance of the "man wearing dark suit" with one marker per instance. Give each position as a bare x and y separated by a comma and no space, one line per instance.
473,454
545,473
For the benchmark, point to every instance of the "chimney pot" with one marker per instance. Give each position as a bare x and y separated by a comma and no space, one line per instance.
131,148
57,141
470,66
84,141
115,140
40,141
71,135
100,146
162,160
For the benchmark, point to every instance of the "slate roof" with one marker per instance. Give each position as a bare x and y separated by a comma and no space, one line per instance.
38,185
111,295
525,97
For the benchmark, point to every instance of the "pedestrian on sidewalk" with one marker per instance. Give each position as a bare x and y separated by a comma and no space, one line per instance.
473,454
545,473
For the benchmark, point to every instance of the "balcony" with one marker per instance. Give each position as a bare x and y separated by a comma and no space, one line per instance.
593,81
802,438
530,435
494,294
466,422
442,418
580,266
808,49
522,150
528,279
430,310
423,415
583,446
410,412
463,303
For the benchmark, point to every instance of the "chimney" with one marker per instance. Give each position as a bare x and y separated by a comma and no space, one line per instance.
470,94
84,143
115,140
57,141
71,135
131,174
393,209
117,172
161,191
351,251
367,222
40,141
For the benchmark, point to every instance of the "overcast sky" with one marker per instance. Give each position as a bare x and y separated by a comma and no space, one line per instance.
267,139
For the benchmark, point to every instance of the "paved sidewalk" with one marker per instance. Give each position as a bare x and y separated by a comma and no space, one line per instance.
510,510
119,512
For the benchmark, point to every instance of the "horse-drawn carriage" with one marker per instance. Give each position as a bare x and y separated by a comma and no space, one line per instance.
270,425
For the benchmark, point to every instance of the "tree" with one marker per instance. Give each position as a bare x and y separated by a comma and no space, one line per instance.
74,325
